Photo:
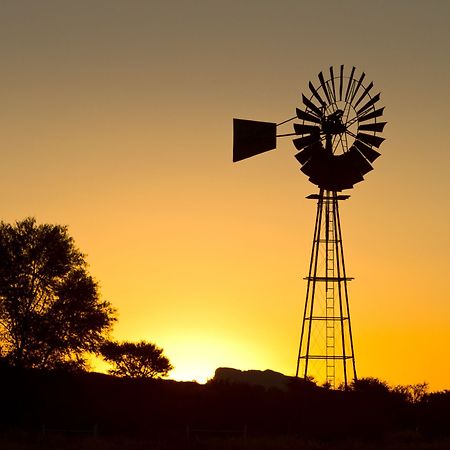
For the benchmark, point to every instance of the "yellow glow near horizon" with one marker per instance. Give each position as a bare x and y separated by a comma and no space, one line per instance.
197,357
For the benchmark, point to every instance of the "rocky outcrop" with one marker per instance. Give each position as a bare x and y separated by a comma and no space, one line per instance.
266,378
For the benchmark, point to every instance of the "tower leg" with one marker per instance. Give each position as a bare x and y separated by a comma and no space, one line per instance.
305,334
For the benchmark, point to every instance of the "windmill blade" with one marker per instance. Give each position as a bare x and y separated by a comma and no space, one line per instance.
315,167
303,156
332,82
320,165
305,141
341,82
321,181
308,168
368,152
252,137
350,82
370,139
324,87
366,91
316,94
376,126
306,129
357,160
361,78
355,180
348,183
348,171
308,152
303,115
371,102
372,115
311,106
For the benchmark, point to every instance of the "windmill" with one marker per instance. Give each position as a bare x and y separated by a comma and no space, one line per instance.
337,135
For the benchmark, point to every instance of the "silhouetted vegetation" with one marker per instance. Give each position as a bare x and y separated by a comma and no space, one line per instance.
50,310
75,403
135,359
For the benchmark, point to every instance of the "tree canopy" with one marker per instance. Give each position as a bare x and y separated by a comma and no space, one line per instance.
50,310
136,359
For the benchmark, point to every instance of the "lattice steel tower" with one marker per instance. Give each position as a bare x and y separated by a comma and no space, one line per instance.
338,137
326,335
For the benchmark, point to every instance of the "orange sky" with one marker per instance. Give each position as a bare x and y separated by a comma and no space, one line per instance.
116,119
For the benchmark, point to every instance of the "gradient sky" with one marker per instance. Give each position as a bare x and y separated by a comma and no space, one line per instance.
116,119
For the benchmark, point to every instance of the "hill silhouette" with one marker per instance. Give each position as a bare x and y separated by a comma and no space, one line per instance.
265,378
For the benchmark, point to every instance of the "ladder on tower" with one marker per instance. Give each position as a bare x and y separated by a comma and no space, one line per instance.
330,325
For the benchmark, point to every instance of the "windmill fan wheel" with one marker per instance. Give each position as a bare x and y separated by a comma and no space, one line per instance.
339,130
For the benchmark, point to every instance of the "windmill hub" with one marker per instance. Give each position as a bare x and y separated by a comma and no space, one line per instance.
332,124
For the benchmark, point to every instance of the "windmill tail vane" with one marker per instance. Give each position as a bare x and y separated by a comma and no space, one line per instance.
337,135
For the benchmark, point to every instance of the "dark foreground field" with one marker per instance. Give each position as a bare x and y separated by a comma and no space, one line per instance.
59,411
60,442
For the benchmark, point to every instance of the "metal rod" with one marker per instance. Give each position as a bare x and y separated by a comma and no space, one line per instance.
330,278
316,257
287,134
307,293
324,318
286,121
327,357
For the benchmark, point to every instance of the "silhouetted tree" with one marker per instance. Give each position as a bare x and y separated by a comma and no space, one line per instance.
413,393
50,311
370,385
136,359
